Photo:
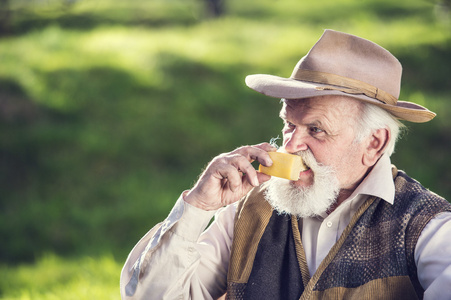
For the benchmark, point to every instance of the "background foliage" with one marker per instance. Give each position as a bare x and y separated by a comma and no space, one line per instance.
109,109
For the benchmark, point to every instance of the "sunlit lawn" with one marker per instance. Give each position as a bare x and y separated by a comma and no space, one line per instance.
54,278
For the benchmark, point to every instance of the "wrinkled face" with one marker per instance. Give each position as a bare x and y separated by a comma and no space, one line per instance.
326,127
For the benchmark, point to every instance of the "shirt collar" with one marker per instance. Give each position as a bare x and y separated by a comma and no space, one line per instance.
379,182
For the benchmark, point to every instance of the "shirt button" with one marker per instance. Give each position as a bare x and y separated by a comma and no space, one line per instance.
329,224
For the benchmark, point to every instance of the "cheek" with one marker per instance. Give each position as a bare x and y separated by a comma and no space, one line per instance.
342,160
326,158
349,162
323,153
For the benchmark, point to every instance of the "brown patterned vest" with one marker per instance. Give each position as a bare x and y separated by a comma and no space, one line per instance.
373,258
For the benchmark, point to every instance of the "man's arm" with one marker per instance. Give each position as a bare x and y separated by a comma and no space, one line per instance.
174,260
433,258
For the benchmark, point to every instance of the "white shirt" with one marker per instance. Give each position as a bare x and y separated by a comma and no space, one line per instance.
319,234
177,259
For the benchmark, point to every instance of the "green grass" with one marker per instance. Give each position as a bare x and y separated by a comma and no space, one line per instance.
54,278
109,110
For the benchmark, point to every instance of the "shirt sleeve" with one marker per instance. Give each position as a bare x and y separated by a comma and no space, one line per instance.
433,258
177,259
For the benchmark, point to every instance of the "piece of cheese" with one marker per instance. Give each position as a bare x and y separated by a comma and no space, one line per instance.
284,165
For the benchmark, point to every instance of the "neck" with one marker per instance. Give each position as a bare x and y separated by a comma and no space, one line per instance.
342,196
347,192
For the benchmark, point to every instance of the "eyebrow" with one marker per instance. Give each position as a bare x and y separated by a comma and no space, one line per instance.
314,123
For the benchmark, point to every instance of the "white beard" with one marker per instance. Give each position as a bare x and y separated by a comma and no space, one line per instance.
303,202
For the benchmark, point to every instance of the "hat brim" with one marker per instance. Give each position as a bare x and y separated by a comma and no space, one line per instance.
288,88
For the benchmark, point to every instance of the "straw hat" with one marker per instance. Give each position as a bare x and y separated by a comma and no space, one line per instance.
344,64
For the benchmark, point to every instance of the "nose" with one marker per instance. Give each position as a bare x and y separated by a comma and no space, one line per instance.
295,141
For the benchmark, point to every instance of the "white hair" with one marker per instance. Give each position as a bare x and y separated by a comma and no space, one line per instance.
308,201
372,118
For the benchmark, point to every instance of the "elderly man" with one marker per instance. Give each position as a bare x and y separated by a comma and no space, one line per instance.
351,227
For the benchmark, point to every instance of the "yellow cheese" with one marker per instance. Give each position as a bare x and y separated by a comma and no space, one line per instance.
284,165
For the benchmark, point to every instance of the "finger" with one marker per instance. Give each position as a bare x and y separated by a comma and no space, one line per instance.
247,185
243,165
266,147
230,176
253,153
262,177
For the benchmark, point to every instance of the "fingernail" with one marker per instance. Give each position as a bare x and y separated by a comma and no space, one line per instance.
256,182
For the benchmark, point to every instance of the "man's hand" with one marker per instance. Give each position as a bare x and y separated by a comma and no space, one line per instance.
229,177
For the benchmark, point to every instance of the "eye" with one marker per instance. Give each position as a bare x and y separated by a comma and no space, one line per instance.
289,126
316,130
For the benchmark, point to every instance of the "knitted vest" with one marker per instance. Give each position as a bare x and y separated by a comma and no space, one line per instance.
373,258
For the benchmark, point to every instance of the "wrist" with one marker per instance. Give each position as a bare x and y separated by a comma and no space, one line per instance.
192,199
192,221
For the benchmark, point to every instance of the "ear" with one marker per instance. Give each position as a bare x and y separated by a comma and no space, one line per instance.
376,144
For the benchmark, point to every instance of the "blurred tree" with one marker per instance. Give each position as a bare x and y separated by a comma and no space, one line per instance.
4,16
443,11
444,7
215,8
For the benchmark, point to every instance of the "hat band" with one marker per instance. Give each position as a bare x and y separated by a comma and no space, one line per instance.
344,84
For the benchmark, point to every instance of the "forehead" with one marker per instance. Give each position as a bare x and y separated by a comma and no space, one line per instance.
330,108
